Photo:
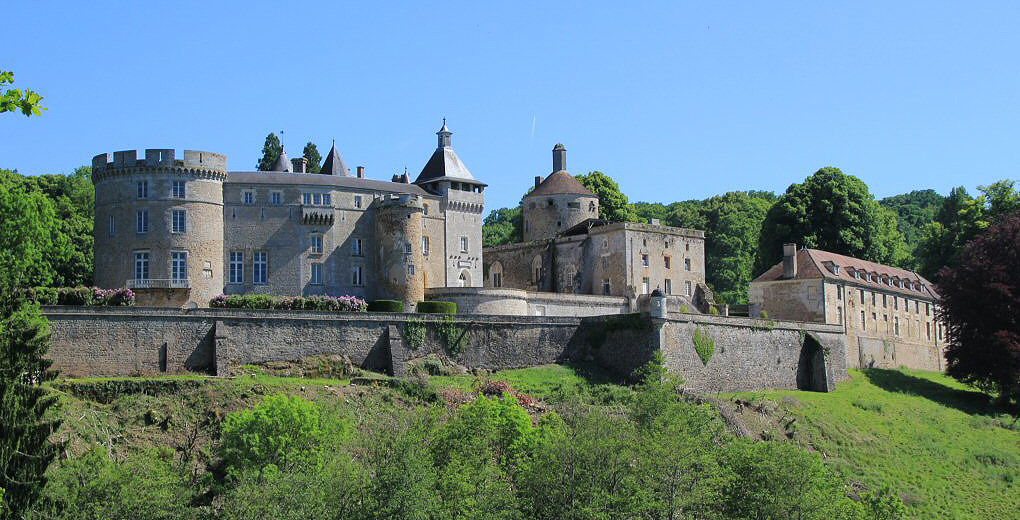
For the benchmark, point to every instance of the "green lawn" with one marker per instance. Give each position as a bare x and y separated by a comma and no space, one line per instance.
923,434
542,381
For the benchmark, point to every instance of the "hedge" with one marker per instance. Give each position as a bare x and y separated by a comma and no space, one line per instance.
386,306
88,296
438,307
289,303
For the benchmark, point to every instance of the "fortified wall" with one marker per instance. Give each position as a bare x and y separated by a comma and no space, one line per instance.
748,354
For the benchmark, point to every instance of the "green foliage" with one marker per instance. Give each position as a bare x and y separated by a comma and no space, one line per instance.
613,205
25,428
88,296
290,303
281,433
386,306
311,154
14,100
884,504
271,151
452,335
415,333
437,307
914,211
704,345
503,226
834,212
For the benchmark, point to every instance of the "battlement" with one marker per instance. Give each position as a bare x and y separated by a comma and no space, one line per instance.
160,158
394,200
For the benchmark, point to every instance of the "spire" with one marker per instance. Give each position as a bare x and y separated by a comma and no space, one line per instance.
444,134
333,165
282,162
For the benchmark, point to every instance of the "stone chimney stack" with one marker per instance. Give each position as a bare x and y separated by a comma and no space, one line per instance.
559,158
789,261
300,164
538,180
361,172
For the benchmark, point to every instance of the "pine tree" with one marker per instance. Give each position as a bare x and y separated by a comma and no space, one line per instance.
25,449
270,153
311,154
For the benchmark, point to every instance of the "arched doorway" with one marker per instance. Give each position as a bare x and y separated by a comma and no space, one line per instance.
464,280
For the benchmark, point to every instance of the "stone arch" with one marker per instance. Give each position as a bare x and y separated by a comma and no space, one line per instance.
464,280
536,270
496,274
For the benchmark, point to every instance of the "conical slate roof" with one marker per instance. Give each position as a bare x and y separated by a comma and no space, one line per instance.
282,162
334,165
560,183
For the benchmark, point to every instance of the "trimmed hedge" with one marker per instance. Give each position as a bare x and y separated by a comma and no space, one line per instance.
386,306
289,303
88,296
438,307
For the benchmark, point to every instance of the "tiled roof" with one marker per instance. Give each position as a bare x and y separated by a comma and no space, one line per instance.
560,183
305,179
815,263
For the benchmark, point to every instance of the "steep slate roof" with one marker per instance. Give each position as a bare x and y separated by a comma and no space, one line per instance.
444,164
282,162
302,179
334,165
811,264
560,183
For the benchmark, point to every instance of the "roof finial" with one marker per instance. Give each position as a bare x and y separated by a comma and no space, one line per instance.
444,134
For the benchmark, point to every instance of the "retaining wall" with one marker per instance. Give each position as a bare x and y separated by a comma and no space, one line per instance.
516,302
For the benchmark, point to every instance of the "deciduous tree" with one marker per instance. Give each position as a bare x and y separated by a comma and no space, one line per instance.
613,205
502,226
14,100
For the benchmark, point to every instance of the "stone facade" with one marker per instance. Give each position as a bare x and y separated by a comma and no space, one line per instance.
888,314
206,231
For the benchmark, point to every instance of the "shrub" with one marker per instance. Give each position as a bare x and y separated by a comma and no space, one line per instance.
281,431
289,303
704,345
90,296
386,306
437,307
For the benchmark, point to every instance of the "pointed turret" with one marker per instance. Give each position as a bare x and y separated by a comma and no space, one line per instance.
334,165
282,162
445,165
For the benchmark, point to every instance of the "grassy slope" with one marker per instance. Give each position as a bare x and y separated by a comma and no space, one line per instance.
920,433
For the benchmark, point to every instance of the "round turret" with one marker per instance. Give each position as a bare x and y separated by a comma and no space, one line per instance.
558,203
399,228
159,225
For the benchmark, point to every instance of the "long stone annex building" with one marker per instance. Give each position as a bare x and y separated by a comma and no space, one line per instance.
181,231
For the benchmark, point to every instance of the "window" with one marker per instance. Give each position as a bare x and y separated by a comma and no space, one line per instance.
260,268
177,189
425,245
839,292
306,199
927,308
317,199
410,269
644,285
425,209
113,226
687,247
873,299
497,279
179,221
357,201
316,244
276,198
605,286
861,291
667,285
605,262
885,300
605,243
895,303
839,315
665,261
236,267
591,207
687,264
917,307
327,199
248,197
874,318
316,274
573,205
356,275
356,249
142,265
864,321
644,261
463,244
142,221
408,250
927,330
896,325
179,265
687,288
143,189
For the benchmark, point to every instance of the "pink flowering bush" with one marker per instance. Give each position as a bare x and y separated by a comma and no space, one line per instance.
289,303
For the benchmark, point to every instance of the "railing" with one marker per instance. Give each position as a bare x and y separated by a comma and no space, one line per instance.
158,283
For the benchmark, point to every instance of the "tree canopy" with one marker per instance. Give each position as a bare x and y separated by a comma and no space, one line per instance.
613,204
981,310
914,211
835,212
502,226
14,100
270,153
311,154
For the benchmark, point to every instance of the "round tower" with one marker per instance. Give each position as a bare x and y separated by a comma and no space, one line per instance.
399,227
159,225
558,202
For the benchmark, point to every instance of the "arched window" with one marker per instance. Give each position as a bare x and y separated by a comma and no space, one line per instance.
464,280
496,274
591,207
536,269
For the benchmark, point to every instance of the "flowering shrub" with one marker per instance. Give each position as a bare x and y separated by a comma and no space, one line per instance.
496,388
91,296
289,303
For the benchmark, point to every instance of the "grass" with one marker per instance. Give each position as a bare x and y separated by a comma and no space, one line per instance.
937,442
546,381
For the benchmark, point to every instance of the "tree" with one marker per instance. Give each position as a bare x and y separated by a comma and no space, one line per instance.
834,212
311,154
270,153
73,199
25,450
502,226
13,99
29,235
914,211
613,204
980,308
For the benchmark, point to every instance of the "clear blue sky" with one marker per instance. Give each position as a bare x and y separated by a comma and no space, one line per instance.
674,100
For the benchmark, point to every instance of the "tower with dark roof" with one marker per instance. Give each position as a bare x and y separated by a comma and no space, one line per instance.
334,165
558,202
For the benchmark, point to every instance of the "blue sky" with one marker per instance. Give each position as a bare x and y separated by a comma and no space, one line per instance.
675,100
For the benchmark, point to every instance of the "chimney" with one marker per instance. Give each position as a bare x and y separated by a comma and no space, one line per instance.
559,158
538,180
789,261
299,164
361,172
